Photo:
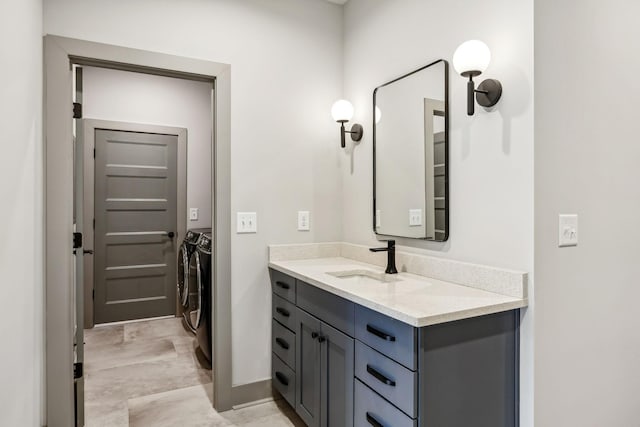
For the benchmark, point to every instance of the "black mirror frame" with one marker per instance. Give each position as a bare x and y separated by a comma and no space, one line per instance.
446,151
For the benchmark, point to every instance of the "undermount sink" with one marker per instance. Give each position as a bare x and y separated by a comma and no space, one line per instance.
365,276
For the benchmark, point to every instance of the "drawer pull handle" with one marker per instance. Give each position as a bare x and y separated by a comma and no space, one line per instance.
282,343
373,421
282,285
283,312
380,334
380,377
282,378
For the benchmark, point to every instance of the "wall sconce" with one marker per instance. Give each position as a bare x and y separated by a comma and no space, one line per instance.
342,112
471,59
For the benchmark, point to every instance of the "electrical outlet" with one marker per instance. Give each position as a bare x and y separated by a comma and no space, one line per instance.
303,221
247,222
415,217
193,214
567,230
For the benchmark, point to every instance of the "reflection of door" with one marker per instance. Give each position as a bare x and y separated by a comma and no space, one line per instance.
135,225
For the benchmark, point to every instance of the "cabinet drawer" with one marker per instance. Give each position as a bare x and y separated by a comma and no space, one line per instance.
331,309
372,410
390,337
283,311
388,378
283,285
283,343
283,379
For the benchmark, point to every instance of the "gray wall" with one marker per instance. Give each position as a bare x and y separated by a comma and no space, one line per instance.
586,157
491,154
142,98
286,71
21,220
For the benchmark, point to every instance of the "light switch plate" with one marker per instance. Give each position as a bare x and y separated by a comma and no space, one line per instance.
247,222
567,230
415,217
303,221
193,214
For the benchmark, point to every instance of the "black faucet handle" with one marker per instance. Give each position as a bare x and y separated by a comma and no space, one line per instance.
391,243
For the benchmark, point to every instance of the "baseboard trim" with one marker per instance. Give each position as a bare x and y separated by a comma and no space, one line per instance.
251,392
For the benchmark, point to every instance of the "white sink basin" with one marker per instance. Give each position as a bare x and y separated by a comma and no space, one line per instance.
365,276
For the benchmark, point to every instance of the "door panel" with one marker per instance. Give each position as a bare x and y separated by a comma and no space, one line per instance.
337,356
135,209
308,368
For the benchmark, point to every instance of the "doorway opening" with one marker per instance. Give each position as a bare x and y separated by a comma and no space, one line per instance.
143,154
127,253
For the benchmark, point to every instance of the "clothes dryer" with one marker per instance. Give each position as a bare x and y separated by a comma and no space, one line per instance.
185,254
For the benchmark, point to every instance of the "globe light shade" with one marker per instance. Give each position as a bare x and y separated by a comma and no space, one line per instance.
471,58
342,111
378,114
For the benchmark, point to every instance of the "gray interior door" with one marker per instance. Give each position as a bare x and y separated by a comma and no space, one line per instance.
136,223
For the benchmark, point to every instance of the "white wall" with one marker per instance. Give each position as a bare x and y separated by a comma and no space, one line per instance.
21,219
491,154
587,370
286,71
142,98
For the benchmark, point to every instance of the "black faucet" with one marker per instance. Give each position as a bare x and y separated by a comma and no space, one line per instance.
391,256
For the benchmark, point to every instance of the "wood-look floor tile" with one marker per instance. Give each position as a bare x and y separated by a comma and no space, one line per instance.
159,328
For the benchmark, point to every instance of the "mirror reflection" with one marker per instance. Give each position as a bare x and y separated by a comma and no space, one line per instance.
410,143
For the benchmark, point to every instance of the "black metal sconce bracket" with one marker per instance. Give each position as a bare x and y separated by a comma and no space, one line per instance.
356,133
487,95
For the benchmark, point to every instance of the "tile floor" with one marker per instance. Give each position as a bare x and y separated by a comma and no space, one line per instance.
147,374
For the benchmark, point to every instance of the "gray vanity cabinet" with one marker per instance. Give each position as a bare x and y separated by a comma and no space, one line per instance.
340,364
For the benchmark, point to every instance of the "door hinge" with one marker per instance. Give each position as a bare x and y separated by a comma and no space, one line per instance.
94,223
93,294
77,110
77,240
77,371
94,153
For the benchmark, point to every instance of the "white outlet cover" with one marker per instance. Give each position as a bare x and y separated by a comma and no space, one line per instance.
415,217
303,221
247,222
567,230
193,214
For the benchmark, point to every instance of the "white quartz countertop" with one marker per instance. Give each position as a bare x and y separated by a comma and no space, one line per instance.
416,300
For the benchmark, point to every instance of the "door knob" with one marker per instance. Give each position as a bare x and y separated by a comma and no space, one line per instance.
170,234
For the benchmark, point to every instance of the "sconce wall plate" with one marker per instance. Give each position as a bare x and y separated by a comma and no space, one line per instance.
489,92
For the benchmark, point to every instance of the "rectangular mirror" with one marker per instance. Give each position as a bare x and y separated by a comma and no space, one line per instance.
410,155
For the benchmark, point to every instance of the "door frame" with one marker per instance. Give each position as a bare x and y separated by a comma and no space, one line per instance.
59,55
89,127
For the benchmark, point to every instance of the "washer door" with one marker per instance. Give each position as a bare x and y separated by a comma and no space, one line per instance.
183,276
195,290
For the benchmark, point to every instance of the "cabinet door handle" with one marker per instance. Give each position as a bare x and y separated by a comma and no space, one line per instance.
282,285
371,420
282,343
380,334
283,312
314,335
380,377
322,338
282,378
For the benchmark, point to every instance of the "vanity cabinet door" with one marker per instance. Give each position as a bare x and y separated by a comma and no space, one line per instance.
308,368
337,378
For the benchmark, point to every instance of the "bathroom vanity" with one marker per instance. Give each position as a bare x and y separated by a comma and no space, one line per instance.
354,346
